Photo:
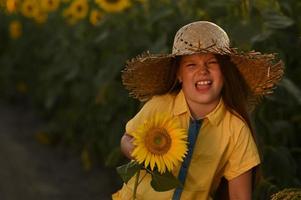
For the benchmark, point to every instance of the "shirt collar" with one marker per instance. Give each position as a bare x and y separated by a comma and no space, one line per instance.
214,117
180,106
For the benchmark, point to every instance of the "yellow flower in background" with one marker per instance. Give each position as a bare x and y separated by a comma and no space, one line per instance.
15,31
43,137
86,159
3,3
29,8
95,17
22,87
113,5
160,142
49,5
142,1
41,17
79,8
69,17
11,6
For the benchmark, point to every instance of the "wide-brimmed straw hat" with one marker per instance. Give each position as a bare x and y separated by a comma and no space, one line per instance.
149,74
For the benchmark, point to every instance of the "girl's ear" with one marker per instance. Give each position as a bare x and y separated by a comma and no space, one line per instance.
179,78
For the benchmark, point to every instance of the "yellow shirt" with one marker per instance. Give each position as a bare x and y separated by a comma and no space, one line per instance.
224,148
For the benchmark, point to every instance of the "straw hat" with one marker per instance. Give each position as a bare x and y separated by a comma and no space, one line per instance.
149,74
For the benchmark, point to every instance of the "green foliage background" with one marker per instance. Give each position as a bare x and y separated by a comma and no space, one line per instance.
73,74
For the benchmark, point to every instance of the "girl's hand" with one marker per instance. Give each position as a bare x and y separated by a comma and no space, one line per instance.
127,146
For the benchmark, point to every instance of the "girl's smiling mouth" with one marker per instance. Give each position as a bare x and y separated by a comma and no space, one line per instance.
203,85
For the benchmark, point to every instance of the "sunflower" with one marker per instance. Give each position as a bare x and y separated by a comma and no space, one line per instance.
22,87
69,17
2,4
79,8
160,142
95,17
29,8
113,5
11,6
15,29
41,17
50,5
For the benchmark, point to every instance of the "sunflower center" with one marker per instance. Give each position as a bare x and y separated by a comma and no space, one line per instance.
158,141
29,8
79,8
50,2
112,1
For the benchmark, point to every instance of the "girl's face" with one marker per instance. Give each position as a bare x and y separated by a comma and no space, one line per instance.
201,78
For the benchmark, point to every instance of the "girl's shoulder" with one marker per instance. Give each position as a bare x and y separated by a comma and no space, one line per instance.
235,122
161,101
156,105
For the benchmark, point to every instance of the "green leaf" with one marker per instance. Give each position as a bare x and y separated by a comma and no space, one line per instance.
262,36
164,182
292,89
128,170
276,20
113,157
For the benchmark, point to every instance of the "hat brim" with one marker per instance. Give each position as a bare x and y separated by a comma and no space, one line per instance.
148,74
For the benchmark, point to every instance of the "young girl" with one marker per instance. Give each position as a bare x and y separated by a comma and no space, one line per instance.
209,87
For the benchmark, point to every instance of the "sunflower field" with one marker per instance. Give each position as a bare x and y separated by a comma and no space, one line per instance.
63,58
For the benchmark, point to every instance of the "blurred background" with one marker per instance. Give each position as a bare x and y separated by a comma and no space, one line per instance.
63,107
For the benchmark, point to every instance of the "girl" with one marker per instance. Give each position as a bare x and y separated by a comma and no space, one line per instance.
209,88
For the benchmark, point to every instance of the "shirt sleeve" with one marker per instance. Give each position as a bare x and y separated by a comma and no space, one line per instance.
146,111
244,155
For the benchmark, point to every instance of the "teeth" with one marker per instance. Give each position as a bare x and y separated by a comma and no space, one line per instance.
203,82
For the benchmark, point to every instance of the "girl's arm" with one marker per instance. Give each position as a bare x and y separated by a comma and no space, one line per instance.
240,188
126,145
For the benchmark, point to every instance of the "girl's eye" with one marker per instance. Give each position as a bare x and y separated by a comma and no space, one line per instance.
213,62
190,65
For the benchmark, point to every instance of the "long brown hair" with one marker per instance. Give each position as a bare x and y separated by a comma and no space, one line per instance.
235,94
235,91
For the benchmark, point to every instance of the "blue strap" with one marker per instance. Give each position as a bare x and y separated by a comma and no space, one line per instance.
194,127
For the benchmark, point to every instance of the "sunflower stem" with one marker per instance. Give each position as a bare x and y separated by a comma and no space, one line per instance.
136,184
142,178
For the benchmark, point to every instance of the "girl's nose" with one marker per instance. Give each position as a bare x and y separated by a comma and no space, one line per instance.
203,70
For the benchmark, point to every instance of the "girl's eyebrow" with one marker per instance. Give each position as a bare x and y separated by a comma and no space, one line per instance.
188,61
212,57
